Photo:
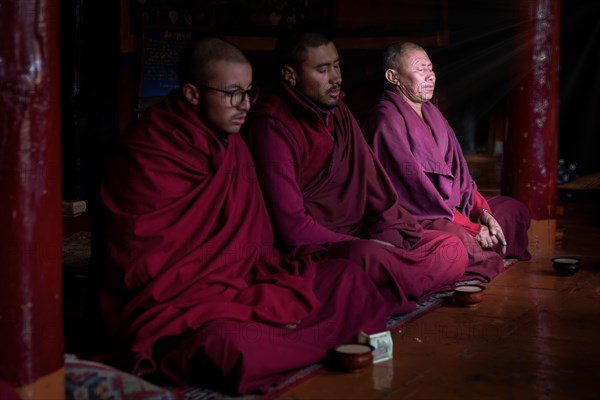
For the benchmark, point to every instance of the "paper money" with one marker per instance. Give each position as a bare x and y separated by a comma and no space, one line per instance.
381,342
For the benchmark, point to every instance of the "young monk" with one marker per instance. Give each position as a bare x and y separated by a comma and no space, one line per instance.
423,158
195,293
323,185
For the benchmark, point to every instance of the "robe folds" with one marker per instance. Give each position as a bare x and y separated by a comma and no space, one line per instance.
426,165
322,185
195,292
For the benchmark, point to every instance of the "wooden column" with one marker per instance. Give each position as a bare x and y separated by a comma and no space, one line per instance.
30,202
530,164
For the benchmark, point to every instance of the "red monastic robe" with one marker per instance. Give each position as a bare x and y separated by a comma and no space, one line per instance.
427,167
195,291
333,191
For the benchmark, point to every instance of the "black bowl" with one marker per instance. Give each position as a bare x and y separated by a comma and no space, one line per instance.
565,266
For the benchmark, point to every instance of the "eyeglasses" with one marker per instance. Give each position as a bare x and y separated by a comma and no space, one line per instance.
236,97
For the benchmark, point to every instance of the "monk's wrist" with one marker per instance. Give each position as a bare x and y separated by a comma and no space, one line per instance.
480,219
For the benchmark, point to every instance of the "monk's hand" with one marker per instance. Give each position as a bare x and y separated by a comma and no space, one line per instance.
495,231
483,237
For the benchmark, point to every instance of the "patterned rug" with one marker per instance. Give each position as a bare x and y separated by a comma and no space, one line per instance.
89,380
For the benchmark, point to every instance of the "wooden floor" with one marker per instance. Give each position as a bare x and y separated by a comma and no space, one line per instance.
535,336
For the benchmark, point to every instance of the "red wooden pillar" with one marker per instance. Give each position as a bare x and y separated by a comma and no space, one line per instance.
530,164
31,360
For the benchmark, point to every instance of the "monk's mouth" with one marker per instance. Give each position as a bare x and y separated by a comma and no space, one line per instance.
239,120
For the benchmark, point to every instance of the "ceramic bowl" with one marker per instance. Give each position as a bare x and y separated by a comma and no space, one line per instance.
565,266
352,357
468,295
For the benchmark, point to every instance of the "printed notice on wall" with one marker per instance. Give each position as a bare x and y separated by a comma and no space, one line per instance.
160,52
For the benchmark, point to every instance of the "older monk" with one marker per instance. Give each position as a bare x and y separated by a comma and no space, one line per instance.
420,152
323,185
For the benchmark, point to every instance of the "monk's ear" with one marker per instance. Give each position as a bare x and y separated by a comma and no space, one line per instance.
289,75
392,76
191,93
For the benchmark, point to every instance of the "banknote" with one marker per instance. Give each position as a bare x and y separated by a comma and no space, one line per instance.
382,342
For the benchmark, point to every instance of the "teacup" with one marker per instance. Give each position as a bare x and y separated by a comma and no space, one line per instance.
352,357
468,295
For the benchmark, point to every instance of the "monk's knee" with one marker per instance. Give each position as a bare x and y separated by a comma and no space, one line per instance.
453,252
522,213
511,209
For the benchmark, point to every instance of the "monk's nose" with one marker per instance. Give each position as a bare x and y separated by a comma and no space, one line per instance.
335,77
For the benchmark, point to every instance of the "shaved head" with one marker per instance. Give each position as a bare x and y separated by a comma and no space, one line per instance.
198,58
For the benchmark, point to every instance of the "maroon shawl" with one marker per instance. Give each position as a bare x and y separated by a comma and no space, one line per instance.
189,236
422,158
324,191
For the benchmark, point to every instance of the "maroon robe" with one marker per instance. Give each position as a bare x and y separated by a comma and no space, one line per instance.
335,192
195,291
426,165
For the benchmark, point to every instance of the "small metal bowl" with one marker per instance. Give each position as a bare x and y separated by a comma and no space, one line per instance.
352,357
469,295
565,266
